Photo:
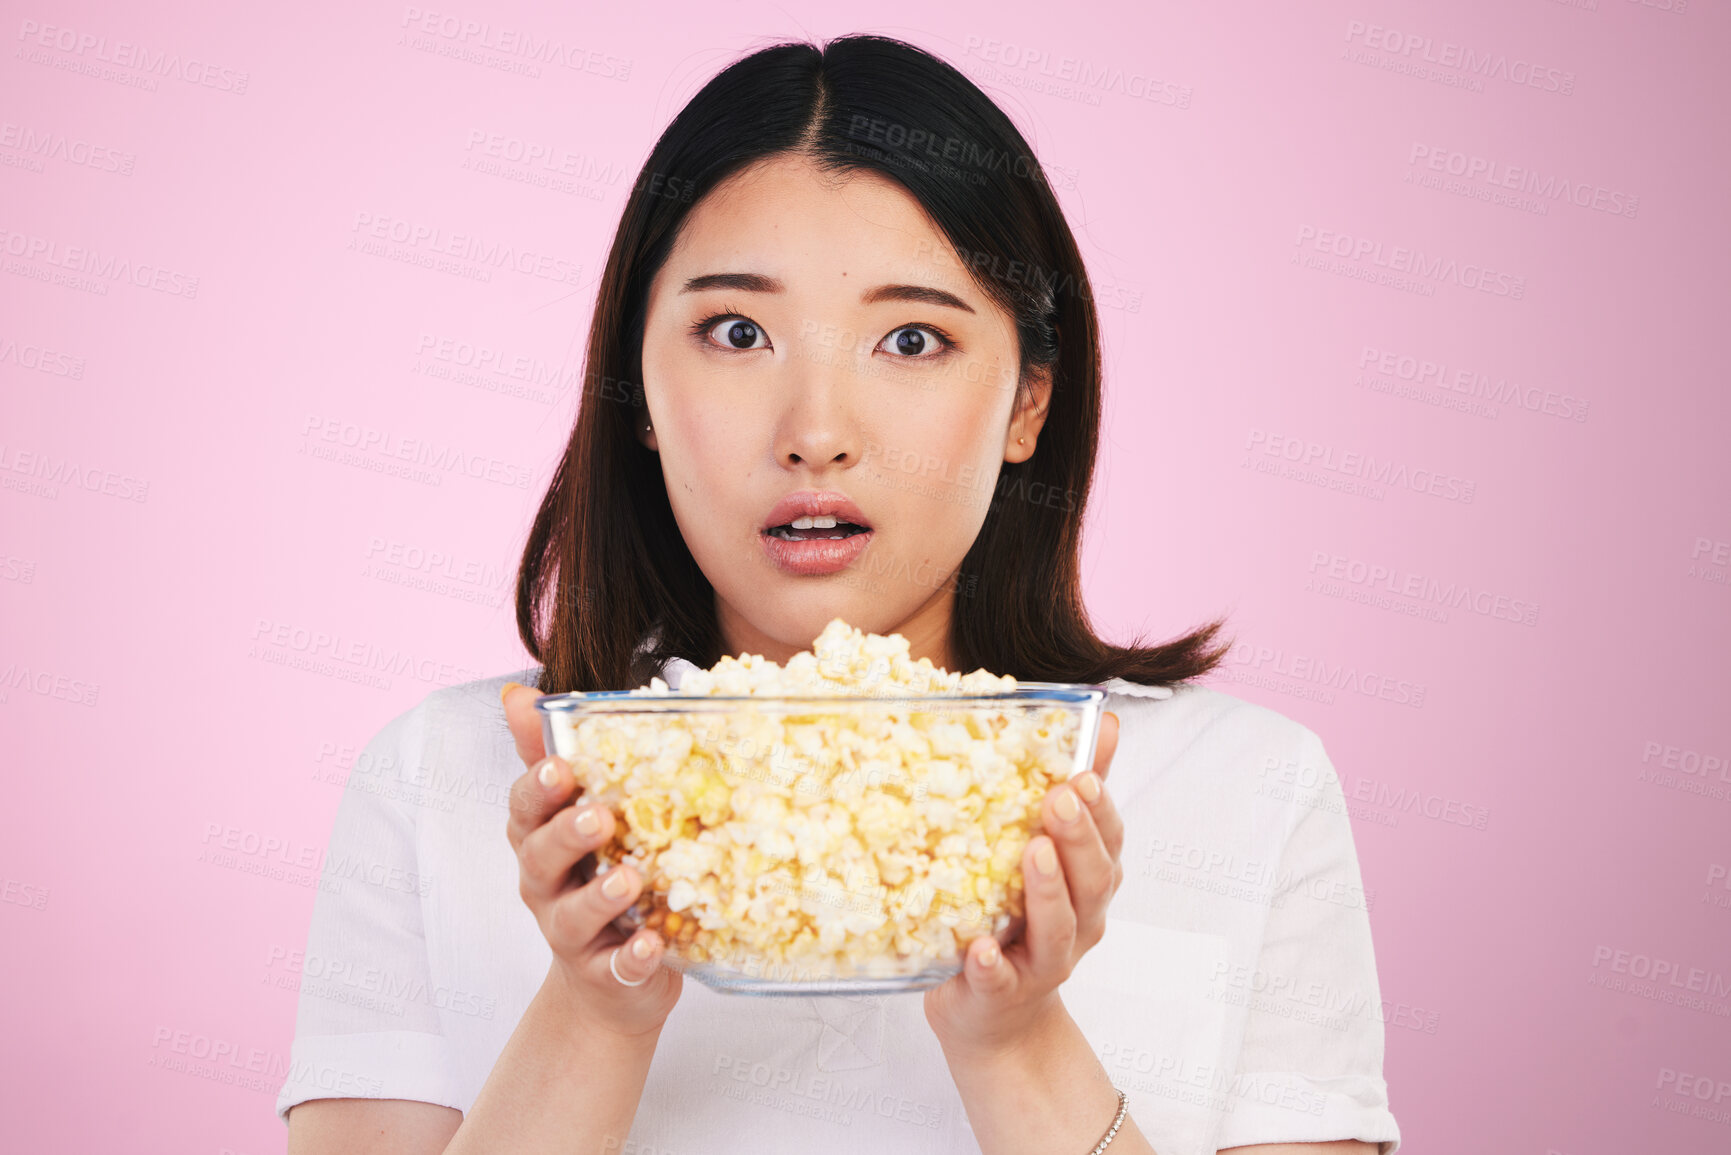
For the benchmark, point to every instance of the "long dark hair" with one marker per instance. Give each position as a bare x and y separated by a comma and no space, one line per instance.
605,565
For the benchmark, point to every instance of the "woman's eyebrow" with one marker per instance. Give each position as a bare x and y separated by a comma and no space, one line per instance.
920,293
743,282
758,283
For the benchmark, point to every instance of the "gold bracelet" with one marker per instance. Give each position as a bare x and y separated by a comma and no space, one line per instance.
1117,1122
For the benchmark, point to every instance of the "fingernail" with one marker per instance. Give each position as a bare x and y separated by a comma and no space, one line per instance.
989,955
1088,786
1046,858
641,947
1066,807
1112,714
548,773
505,690
588,822
616,885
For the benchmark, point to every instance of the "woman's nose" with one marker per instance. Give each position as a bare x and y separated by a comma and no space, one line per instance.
819,422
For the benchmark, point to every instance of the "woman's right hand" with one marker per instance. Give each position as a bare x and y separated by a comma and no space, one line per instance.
550,834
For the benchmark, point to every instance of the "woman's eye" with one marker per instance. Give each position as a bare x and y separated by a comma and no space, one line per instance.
738,333
913,341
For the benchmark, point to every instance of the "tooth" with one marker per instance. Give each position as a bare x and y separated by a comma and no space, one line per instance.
802,523
822,521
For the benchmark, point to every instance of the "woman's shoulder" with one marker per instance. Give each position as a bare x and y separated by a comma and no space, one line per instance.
480,695
1200,713
470,700
1209,739
456,722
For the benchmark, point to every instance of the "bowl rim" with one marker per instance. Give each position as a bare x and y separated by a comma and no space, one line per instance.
1076,693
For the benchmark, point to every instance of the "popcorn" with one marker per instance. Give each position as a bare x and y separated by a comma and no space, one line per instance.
873,838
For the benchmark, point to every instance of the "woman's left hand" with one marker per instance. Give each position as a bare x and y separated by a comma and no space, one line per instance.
1070,874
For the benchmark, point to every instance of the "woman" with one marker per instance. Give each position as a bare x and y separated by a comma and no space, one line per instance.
842,290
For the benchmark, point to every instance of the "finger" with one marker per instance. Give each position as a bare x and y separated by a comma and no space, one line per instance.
524,720
1089,868
549,852
536,796
1106,744
639,957
1104,811
575,919
987,971
1050,933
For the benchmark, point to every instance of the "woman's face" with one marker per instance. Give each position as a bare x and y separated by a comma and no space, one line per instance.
815,348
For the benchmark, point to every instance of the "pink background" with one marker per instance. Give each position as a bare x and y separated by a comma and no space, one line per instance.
163,514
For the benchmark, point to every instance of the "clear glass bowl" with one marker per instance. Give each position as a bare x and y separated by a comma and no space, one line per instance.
806,768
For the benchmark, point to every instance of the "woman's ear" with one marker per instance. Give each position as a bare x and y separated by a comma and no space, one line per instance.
645,430
1029,417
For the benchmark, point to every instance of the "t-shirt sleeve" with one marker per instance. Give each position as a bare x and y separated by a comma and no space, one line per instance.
1310,1067
365,1027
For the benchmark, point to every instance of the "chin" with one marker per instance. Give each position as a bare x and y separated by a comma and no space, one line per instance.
793,611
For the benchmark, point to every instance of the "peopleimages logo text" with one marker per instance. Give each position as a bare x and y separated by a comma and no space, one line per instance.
1401,259
43,465
104,267
1075,70
419,450
433,240
1365,467
1452,594
1338,676
1472,383
517,42
1447,54
124,54
1549,186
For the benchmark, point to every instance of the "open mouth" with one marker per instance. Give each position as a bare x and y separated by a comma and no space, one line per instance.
819,528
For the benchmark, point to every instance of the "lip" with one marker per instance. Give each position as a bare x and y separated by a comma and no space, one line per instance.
811,503
821,555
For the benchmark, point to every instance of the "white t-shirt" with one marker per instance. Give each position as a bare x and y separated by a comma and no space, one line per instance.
1234,996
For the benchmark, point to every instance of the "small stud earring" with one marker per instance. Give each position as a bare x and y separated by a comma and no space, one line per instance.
1021,440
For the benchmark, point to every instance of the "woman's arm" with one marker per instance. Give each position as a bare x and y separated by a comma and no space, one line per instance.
1047,1094
556,1087
1028,1077
402,1127
1056,1098
560,1084
370,1127
572,1073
